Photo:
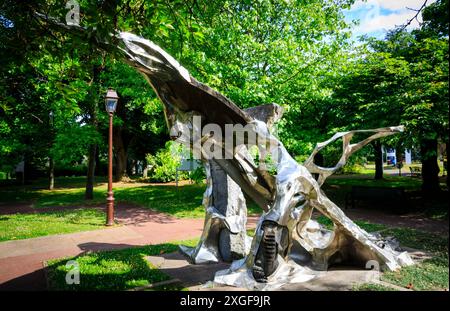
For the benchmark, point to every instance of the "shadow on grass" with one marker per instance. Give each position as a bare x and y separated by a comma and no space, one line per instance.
65,197
121,269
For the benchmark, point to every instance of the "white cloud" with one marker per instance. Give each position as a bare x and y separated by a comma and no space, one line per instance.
392,5
378,16
386,22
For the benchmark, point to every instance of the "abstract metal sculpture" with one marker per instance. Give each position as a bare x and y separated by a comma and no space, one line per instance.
288,245
224,234
287,197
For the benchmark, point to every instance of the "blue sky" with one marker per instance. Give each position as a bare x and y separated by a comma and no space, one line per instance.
376,17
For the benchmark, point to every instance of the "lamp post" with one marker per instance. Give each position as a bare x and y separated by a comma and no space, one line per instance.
111,100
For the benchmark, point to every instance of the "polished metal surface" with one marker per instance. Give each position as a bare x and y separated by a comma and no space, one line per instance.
288,197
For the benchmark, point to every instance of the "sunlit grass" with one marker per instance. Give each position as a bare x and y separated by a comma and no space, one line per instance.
431,274
372,288
184,201
24,226
113,270
128,268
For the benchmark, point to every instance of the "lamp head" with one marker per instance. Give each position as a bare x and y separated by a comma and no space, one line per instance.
111,100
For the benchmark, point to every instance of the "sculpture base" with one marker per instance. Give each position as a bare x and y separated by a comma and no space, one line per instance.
287,272
304,265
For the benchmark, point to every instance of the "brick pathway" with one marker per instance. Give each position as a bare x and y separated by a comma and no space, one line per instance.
21,261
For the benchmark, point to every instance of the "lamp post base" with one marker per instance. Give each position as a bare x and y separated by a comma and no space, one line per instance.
110,209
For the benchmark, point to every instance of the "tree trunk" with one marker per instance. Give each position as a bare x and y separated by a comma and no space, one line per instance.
131,167
51,173
25,169
121,155
430,167
447,149
94,94
89,194
98,171
399,158
378,159
145,169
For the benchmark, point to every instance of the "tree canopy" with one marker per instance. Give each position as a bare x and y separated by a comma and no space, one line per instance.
294,53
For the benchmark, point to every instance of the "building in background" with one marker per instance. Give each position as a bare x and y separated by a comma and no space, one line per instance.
390,156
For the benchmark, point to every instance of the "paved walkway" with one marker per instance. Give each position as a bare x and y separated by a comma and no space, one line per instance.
200,277
21,261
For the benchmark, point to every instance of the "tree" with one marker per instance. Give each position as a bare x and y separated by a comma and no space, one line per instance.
139,125
34,39
402,79
368,95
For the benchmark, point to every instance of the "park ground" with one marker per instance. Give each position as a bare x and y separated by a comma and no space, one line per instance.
40,230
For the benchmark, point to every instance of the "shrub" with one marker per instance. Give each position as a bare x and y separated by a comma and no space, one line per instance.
70,170
198,175
163,165
351,169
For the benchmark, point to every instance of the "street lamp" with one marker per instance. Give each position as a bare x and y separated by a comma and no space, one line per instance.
111,100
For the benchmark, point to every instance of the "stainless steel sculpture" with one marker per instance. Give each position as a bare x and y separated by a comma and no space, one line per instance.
288,245
287,197
224,233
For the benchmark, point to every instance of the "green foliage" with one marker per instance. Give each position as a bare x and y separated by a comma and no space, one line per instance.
296,54
164,163
71,170
65,151
352,169
198,175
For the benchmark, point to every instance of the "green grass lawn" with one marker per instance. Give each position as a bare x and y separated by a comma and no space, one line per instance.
388,181
114,270
431,274
24,226
127,268
183,202
372,288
